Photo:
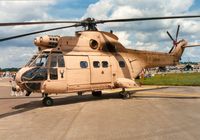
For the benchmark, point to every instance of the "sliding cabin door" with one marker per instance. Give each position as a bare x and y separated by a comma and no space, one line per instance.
100,69
78,72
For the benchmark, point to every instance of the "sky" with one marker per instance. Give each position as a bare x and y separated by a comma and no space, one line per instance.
142,35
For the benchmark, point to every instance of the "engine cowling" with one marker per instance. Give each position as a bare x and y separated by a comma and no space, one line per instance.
47,41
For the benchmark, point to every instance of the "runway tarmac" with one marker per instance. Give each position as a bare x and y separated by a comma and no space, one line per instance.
166,113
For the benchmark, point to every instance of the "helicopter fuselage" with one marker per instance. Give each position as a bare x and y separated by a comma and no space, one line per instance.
89,61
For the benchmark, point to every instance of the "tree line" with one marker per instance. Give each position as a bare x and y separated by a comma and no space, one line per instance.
9,69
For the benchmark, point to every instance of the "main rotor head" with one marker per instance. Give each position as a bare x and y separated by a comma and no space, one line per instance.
89,24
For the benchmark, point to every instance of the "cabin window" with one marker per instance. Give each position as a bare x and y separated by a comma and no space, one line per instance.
104,64
83,64
122,64
96,64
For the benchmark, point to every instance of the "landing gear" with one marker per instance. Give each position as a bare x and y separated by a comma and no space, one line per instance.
125,94
47,101
96,93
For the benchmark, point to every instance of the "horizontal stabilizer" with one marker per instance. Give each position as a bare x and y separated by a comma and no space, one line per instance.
196,45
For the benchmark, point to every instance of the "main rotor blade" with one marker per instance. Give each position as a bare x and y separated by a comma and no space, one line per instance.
35,23
148,18
97,21
177,32
37,32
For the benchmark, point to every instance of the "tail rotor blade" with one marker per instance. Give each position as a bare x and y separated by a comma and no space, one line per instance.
177,32
170,36
171,49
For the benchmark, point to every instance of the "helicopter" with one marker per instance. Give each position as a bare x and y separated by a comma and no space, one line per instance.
90,61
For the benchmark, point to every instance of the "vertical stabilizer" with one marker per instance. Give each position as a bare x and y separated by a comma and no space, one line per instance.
179,49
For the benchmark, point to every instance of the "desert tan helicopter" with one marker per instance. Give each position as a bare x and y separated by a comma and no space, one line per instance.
91,60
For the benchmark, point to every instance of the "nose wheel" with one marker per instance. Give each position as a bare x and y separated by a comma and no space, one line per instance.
47,101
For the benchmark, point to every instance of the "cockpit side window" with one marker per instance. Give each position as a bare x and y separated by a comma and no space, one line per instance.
32,59
53,73
61,62
53,61
39,60
57,60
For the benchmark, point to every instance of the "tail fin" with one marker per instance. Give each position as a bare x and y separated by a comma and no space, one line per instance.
178,49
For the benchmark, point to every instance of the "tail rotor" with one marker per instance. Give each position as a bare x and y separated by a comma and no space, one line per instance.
174,40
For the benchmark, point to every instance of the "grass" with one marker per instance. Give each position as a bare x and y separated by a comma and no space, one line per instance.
174,79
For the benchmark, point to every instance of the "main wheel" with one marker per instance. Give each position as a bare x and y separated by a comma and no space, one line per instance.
125,95
96,93
47,101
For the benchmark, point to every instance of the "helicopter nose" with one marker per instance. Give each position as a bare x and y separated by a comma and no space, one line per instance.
19,74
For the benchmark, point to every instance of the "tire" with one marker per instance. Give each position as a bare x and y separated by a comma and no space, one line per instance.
121,95
127,95
47,101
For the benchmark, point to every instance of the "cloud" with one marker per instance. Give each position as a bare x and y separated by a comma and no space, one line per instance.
18,11
123,38
16,57
24,11
16,52
100,9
